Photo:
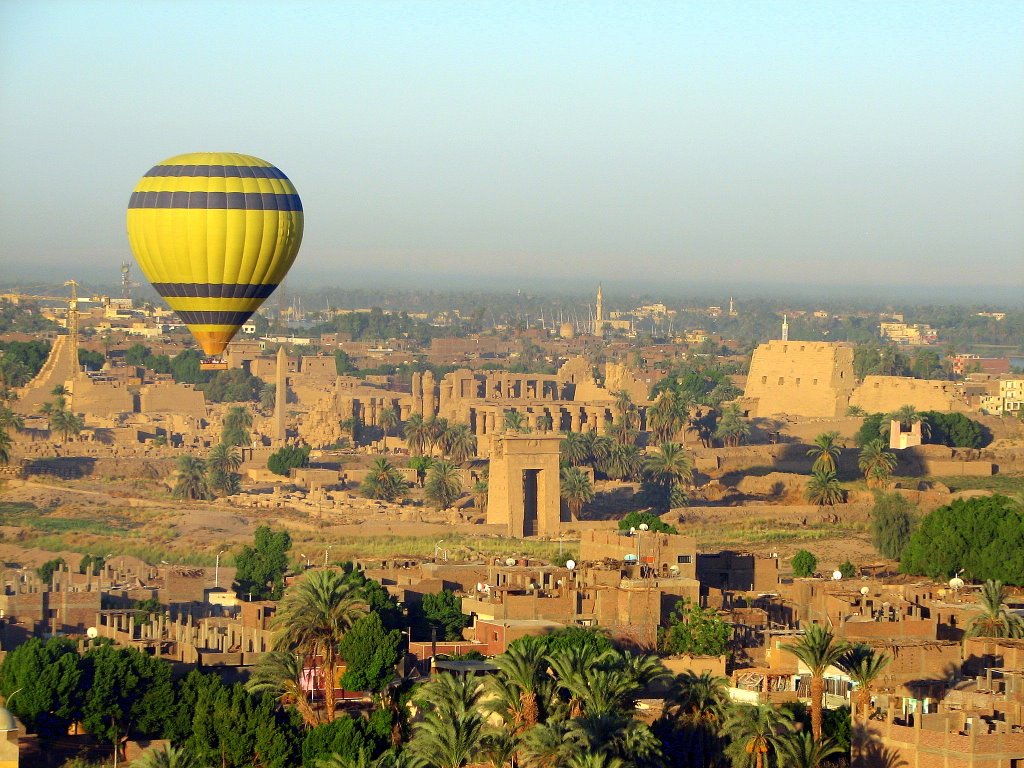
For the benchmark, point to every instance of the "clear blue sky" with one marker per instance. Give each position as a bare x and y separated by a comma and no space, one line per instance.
665,142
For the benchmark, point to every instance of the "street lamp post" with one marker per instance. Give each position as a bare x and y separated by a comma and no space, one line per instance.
643,527
216,569
437,549
325,556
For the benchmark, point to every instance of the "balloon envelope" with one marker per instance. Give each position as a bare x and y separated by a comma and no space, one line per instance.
215,233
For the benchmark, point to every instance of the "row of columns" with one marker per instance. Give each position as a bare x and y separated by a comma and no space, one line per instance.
216,635
489,419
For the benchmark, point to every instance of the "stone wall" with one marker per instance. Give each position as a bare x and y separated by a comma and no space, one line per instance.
169,397
103,399
801,378
884,394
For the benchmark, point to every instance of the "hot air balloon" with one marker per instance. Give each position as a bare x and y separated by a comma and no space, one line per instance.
215,233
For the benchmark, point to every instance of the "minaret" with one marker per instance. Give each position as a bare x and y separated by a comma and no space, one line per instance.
280,395
732,308
785,328
599,317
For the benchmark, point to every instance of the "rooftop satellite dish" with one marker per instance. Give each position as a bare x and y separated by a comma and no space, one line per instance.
837,575
570,564
644,527
864,591
956,583
479,586
674,569
510,561
92,633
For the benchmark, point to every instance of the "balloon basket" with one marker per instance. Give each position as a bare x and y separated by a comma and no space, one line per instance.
213,364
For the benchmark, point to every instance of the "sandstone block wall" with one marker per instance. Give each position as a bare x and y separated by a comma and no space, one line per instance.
884,394
169,397
103,399
801,378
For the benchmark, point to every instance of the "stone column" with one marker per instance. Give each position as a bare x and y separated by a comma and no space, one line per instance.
575,419
417,394
429,396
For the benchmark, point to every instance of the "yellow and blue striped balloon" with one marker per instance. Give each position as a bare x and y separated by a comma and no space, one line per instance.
215,233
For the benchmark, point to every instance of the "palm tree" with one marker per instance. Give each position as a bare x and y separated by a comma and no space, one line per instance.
10,420
800,750
66,423
862,664
907,416
818,649
417,435
625,409
699,703
388,419
236,426
437,432
993,619
444,484
224,458
545,422
384,481
279,673
191,482
313,616
545,745
824,490
5,447
500,748
875,462
732,427
667,417
451,733
524,675
460,443
574,449
571,665
599,449
826,450
576,490
756,731
624,462
671,467
514,421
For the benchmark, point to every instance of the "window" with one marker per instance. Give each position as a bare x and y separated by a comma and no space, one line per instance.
798,382
684,559
814,382
764,379
782,380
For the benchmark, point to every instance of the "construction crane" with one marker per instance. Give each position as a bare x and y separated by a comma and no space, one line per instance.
126,280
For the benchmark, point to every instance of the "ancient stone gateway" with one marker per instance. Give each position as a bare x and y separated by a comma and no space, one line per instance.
523,489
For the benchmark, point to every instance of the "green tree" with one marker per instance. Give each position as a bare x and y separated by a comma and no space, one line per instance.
824,489
388,420
801,750
191,481
451,733
863,665
125,691
692,725
260,569
847,569
459,443
575,489
955,430
441,611
421,464
371,654
47,677
695,631
755,734
803,564
166,756
384,481
892,522
668,417
523,691
984,536
5,447
671,468
136,355
732,429
825,451
224,462
280,674
236,426
444,484
46,570
653,523
994,619
91,564
875,425
313,617
818,649
573,449
343,363
283,460
514,421
417,435
876,463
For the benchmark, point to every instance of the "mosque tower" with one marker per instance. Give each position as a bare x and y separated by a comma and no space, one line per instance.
599,317
785,328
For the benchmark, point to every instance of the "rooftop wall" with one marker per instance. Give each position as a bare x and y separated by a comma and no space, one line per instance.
801,378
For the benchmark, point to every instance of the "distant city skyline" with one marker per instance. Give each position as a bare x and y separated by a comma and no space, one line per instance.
783,145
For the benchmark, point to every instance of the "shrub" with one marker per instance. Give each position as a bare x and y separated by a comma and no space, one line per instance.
654,523
892,522
695,631
282,461
955,430
984,536
803,564
870,429
847,569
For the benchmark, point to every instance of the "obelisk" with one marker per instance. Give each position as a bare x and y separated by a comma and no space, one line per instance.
280,395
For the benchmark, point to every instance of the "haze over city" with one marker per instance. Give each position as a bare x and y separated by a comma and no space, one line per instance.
771,146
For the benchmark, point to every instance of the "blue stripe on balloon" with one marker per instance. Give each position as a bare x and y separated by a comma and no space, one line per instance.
246,201
214,290
218,171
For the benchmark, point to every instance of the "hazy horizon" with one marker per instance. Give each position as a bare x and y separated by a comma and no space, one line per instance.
758,148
